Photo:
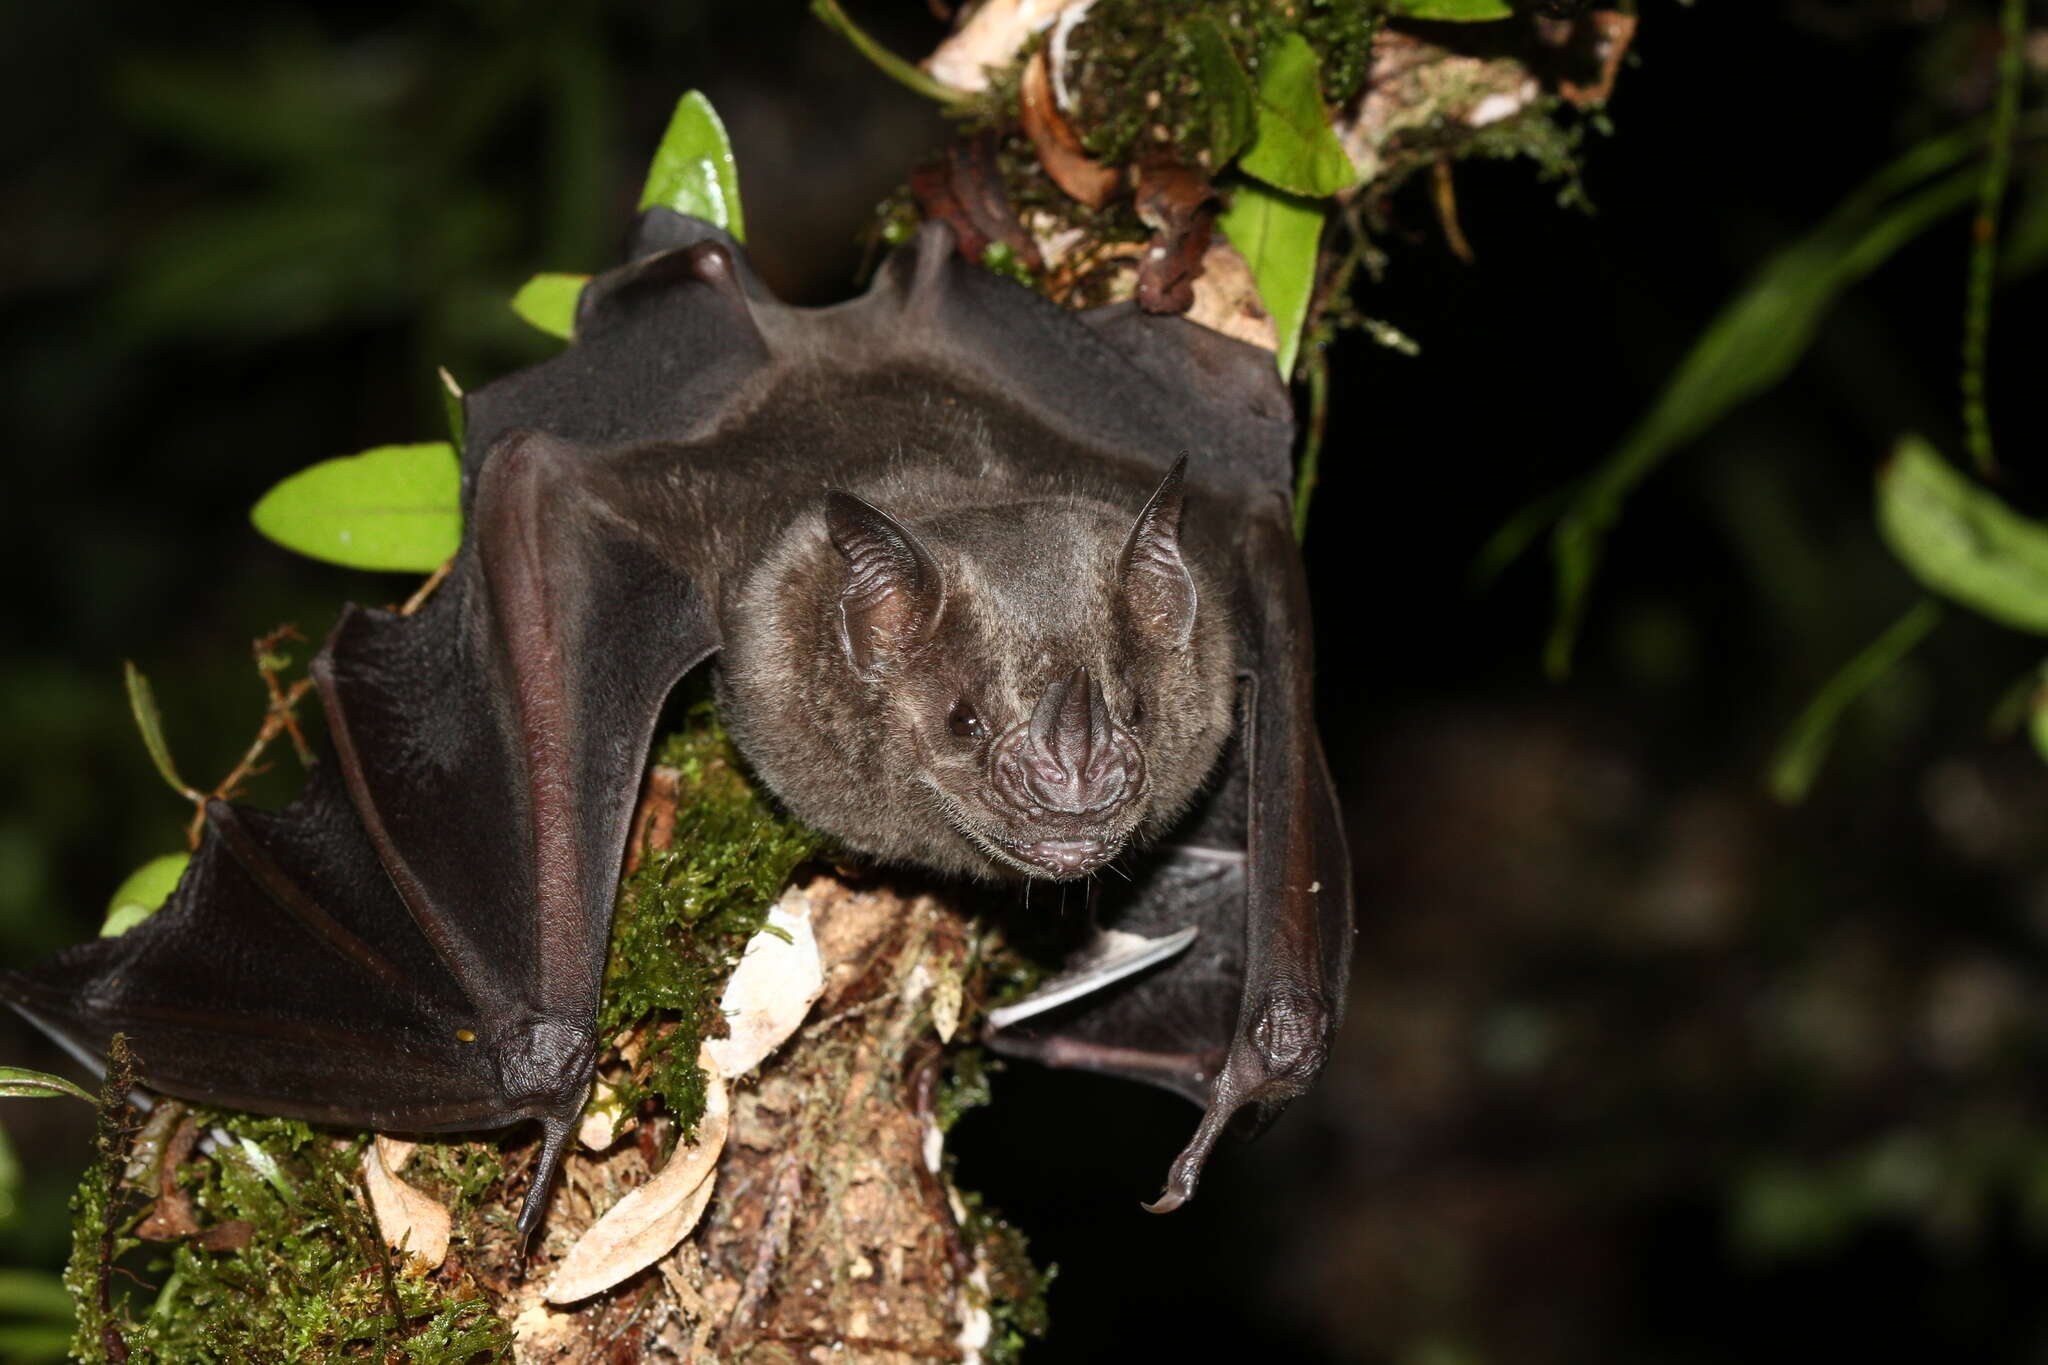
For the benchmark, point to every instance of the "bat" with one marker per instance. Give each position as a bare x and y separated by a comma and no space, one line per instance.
995,588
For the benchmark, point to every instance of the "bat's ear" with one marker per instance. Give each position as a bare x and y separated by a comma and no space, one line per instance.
894,590
1157,587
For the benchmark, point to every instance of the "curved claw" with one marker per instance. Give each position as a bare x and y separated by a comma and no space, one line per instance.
555,1130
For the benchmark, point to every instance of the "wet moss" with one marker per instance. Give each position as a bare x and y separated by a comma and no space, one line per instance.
685,914
965,1087
310,1282
1139,79
1016,1286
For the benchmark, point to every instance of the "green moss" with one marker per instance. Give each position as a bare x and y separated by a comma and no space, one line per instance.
965,1087
311,1284
98,1220
1016,1287
1541,135
686,913
1138,75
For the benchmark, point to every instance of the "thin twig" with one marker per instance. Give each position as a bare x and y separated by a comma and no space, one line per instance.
426,589
274,722
270,665
891,65
1984,235
1445,192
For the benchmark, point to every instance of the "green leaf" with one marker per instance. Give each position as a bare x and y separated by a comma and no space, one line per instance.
693,170
549,303
19,1083
1296,150
1226,90
150,721
1805,746
1278,234
146,888
1957,538
1750,346
395,507
1454,11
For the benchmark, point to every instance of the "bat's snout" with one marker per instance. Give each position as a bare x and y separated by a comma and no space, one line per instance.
1069,758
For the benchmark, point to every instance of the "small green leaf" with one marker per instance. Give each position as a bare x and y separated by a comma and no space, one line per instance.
1454,11
549,303
1278,234
693,170
395,507
19,1083
266,1166
1957,538
451,405
146,888
1296,149
1226,90
1805,746
150,721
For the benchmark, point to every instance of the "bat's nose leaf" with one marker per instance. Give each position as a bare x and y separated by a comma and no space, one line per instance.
1072,763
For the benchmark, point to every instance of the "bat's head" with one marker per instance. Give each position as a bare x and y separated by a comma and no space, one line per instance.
998,688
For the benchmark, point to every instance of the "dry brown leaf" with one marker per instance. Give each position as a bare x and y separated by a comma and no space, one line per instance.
990,38
170,1218
1179,205
395,1151
771,990
1227,298
965,191
1059,146
411,1220
600,1126
645,1226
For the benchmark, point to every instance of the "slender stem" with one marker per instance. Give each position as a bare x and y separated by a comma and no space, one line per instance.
1984,237
893,66
1806,744
1312,448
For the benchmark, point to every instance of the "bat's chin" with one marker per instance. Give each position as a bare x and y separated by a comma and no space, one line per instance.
1058,860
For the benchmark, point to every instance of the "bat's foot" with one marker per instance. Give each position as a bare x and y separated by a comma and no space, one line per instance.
1107,958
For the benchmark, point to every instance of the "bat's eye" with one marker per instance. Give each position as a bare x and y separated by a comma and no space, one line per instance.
1137,710
963,721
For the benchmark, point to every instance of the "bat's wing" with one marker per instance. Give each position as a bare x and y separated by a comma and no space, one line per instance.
418,941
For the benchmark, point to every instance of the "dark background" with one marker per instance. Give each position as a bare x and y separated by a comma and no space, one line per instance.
1639,1066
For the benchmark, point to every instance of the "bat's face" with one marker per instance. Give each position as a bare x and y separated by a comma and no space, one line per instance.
1012,690
1061,701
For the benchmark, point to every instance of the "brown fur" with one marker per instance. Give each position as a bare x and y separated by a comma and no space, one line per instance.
1033,590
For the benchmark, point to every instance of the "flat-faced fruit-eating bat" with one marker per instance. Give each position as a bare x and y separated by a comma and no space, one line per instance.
1000,589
